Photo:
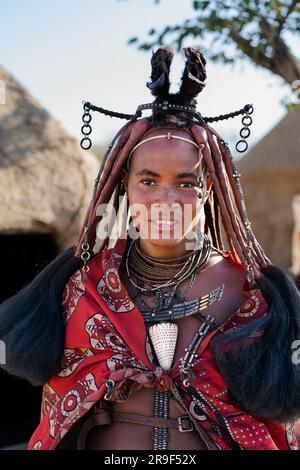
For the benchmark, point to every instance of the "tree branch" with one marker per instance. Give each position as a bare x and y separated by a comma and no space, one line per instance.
283,63
283,19
256,55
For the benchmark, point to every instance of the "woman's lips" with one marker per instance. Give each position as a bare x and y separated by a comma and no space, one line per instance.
164,223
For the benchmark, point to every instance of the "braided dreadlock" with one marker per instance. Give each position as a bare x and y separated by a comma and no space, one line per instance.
259,373
226,191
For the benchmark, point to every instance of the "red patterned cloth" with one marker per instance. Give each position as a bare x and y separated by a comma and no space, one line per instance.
106,339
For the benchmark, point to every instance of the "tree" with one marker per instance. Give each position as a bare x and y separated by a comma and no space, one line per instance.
257,29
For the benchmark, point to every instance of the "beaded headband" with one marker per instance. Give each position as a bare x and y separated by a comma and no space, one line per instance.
167,136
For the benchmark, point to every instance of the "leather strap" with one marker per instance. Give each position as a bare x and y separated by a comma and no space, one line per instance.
155,422
98,419
105,417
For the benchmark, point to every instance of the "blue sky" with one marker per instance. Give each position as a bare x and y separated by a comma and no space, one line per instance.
67,51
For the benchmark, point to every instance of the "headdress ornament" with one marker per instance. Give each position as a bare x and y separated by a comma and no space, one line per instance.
176,111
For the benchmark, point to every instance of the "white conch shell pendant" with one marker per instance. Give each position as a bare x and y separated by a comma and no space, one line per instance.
164,337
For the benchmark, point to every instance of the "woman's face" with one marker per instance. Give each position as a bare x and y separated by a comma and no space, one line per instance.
162,191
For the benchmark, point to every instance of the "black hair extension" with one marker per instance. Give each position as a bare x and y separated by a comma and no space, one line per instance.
259,372
31,322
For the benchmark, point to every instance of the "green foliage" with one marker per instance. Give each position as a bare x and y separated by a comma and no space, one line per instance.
255,27
291,106
290,102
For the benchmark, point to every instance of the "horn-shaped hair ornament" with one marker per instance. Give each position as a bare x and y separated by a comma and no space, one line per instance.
226,200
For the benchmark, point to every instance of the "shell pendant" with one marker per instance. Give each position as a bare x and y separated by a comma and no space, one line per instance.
164,337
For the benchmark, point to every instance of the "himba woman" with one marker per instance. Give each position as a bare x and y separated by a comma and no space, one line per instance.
156,336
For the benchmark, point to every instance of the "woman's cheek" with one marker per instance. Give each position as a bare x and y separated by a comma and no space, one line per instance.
143,198
136,194
148,195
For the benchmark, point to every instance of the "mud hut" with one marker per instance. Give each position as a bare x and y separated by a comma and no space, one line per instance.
46,183
270,176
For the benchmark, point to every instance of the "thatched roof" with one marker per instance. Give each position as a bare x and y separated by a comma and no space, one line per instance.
270,177
45,179
279,150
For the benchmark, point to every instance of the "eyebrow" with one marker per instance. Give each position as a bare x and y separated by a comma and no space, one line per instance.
146,171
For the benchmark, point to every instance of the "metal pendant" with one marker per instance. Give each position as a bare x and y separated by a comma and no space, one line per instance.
164,299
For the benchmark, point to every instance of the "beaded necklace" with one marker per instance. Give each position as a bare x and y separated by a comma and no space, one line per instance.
159,275
151,270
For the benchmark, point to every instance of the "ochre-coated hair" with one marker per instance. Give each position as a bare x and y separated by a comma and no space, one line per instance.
225,202
258,369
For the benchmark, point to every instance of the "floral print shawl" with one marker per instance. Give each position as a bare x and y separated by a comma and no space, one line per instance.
106,339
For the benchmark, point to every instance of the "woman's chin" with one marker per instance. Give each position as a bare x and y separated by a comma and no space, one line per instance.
164,242
163,235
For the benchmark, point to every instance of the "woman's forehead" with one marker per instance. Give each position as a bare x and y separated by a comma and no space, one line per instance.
169,165
163,152
165,131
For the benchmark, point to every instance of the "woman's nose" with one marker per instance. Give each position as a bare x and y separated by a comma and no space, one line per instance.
166,210
166,196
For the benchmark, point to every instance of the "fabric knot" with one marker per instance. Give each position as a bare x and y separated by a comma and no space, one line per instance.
162,380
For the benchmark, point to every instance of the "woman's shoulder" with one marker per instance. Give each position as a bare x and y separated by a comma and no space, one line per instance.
224,269
225,265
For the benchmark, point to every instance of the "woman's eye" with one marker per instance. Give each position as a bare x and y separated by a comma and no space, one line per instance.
191,185
148,181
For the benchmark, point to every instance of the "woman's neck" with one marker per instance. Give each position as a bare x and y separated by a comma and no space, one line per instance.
164,252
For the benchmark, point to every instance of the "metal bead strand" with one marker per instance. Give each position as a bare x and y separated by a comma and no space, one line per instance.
160,436
85,255
86,129
187,362
242,145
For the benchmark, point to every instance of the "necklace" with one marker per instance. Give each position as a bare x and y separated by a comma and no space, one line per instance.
183,309
161,273
163,277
